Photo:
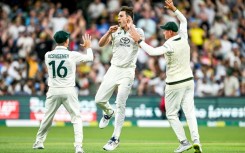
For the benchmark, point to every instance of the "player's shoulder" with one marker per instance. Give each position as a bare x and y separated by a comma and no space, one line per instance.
74,54
118,32
168,43
47,53
140,31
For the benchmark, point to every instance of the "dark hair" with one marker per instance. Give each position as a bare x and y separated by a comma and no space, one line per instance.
128,10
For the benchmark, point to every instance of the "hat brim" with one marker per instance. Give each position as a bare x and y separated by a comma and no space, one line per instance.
167,28
162,27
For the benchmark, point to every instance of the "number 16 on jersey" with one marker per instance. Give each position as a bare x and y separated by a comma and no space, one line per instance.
59,69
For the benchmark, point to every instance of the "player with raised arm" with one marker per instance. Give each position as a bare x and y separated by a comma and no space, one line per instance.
179,91
61,65
120,75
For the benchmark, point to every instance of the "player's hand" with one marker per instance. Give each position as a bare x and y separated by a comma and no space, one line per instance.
170,5
113,29
134,34
130,23
86,41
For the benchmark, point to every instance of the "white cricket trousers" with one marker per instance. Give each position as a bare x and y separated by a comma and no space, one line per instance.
121,78
181,95
69,98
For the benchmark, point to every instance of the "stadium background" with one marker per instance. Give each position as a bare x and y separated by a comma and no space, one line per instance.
216,36
217,40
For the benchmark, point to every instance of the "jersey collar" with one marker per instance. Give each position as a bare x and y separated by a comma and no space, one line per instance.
60,48
121,29
174,37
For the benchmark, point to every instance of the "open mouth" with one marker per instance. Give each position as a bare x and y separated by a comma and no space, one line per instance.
119,24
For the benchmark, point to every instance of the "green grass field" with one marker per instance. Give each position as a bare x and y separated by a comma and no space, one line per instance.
133,140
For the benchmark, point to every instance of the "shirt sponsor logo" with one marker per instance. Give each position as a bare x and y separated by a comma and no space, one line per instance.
124,41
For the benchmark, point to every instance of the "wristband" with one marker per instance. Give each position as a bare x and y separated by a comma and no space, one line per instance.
139,41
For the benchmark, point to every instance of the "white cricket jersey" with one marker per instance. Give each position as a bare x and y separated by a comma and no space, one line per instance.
178,59
124,48
176,51
61,64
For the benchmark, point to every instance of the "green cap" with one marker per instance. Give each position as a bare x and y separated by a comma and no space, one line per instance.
61,36
170,26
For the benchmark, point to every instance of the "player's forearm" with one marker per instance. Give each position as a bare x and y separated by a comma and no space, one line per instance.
173,8
105,39
90,55
150,50
183,24
180,16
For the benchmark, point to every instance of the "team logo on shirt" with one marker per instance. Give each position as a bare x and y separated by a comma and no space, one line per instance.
124,42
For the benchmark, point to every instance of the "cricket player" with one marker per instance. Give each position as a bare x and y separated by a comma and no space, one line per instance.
61,65
120,75
179,91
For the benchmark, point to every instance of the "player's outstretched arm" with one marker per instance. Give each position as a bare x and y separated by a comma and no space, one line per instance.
104,40
147,48
87,45
183,21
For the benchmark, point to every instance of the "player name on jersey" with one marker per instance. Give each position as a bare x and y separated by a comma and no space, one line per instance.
59,56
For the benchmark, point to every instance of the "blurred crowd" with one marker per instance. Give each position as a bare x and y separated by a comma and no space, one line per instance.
216,35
